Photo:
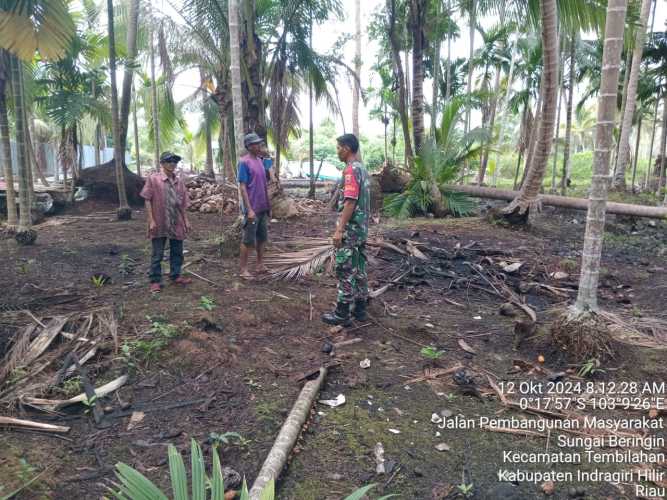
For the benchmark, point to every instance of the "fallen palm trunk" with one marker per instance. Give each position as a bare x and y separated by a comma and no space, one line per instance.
29,424
564,202
287,437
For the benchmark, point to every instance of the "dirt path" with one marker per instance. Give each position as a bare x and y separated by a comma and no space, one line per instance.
243,379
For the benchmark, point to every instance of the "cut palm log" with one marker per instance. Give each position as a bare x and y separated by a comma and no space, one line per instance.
287,437
565,202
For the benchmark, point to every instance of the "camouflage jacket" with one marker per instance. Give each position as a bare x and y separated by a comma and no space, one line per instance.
356,186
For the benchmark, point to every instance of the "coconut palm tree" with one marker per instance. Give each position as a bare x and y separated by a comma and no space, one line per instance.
595,220
124,210
492,54
65,96
631,97
393,29
27,27
5,145
530,189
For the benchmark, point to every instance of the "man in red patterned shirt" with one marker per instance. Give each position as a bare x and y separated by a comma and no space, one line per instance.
166,203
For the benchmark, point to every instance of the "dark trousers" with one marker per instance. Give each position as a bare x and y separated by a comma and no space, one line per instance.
175,259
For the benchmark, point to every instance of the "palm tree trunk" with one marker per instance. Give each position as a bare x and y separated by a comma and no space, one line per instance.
78,147
650,153
26,142
471,35
98,144
492,120
516,171
663,145
561,69
235,69
5,144
436,76
223,141
356,88
98,159
531,188
311,128
636,159
604,143
649,167
568,118
631,98
250,47
624,100
25,219
530,150
400,78
154,106
132,27
209,147
417,16
503,111
385,122
124,211
136,135
448,81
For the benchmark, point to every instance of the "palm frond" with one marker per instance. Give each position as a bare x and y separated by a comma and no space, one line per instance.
27,26
399,205
458,203
298,264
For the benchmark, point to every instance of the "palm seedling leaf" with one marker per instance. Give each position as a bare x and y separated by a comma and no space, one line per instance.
136,486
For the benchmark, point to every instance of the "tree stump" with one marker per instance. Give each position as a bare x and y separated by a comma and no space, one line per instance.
392,180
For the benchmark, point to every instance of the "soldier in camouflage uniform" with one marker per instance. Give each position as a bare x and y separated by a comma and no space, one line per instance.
350,235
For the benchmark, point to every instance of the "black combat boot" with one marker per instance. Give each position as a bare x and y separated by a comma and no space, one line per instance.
360,310
340,316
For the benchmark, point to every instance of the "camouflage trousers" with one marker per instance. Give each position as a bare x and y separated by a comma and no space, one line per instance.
351,273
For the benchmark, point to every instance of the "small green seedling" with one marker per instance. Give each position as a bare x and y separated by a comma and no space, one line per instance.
98,280
207,303
432,353
465,489
590,367
89,403
228,438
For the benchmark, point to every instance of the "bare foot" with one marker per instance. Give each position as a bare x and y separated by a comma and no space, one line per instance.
261,269
245,274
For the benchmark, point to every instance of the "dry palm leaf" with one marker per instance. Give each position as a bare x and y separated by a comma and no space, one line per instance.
641,332
300,263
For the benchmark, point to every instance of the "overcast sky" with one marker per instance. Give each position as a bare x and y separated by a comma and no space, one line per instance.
325,36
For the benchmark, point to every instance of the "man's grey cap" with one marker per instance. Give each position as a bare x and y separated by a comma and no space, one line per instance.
252,138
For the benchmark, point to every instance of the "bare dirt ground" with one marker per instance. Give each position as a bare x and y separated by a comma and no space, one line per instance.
245,378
